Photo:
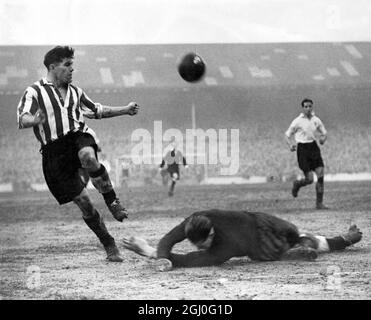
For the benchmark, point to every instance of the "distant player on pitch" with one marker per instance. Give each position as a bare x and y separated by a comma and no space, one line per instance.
301,136
55,109
170,164
223,234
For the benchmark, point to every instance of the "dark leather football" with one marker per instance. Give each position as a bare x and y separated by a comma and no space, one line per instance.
191,67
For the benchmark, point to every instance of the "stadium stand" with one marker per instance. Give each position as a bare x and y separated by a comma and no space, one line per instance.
256,88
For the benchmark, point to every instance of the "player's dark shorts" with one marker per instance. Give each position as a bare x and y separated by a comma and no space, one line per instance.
309,156
61,165
174,170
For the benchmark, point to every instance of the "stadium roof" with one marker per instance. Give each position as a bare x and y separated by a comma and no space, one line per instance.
116,67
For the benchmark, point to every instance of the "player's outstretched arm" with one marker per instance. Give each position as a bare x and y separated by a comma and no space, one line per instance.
109,112
201,258
189,260
140,246
131,109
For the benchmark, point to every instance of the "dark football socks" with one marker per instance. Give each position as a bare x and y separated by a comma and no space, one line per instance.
337,243
96,224
109,197
101,181
320,190
172,186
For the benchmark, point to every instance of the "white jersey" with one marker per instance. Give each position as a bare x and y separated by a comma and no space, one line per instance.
305,129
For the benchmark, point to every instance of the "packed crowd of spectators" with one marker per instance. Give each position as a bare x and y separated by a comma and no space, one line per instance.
262,152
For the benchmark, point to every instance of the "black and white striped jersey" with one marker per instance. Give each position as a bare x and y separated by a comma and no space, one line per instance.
62,116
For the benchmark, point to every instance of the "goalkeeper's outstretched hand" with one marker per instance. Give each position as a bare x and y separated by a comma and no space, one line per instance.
162,265
140,246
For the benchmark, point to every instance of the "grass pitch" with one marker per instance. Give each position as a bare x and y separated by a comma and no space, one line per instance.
47,251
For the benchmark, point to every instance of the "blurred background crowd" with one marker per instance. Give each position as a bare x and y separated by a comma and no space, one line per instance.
262,152
255,88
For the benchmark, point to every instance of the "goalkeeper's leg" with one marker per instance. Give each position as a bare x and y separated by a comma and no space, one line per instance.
323,244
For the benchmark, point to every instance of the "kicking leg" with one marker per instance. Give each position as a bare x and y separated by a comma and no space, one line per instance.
102,182
95,222
297,184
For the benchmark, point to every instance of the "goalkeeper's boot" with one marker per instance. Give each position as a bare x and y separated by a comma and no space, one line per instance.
118,211
353,236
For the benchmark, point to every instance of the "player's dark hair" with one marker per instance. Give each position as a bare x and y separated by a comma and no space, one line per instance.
57,54
198,228
306,100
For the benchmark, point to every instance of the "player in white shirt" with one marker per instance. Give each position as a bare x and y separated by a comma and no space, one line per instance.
302,136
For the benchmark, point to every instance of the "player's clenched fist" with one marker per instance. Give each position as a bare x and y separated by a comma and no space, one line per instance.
133,108
322,140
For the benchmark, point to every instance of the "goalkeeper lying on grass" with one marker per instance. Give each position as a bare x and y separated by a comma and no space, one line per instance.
221,234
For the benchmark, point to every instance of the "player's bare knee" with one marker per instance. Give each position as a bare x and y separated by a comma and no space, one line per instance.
320,172
309,180
88,159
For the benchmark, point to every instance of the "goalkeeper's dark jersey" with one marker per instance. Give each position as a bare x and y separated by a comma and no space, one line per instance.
259,236
172,159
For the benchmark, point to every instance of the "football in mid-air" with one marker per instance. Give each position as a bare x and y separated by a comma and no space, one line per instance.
191,67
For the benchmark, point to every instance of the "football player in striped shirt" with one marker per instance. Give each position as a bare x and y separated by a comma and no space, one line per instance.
55,109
